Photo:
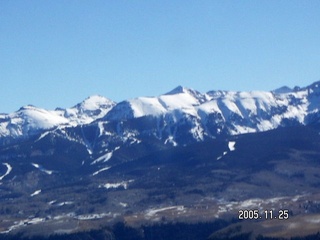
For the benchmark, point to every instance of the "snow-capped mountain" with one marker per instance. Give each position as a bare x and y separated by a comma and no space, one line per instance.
30,120
90,109
180,116
185,112
171,157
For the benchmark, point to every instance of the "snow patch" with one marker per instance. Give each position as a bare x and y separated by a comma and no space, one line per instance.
123,184
123,204
64,203
222,210
36,220
250,203
152,212
101,128
171,140
9,169
42,136
256,202
64,215
23,223
104,158
296,198
223,154
35,193
92,216
52,202
231,145
101,170
49,172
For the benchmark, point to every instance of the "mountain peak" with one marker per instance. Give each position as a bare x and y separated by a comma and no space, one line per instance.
194,93
177,90
95,102
284,89
27,107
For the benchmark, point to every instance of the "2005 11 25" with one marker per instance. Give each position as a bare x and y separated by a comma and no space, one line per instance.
255,214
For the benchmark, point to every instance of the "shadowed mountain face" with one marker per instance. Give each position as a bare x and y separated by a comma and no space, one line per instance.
153,162
143,184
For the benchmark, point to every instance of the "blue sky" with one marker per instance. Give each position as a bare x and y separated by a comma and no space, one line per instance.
57,53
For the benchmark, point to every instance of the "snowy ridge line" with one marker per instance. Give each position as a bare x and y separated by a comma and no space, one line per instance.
226,111
229,112
30,120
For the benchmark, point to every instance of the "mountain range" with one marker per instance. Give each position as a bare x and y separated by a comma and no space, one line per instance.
200,116
183,156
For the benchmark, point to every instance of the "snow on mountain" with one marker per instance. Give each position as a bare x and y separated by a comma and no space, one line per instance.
9,169
179,99
31,120
144,106
215,112
90,109
179,116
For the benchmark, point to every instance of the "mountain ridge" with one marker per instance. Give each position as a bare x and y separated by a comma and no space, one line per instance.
201,115
177,157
